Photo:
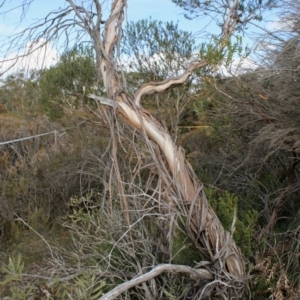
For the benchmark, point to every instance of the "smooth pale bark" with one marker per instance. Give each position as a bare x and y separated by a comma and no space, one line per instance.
195,274
204,226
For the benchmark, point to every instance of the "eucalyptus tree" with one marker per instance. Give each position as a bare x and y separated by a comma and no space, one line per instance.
180,190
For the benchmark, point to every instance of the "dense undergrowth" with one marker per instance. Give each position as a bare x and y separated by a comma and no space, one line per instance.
64,233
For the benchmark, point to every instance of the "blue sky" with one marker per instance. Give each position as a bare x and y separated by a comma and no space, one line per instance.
164,10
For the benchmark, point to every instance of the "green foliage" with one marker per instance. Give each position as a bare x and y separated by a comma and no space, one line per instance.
69,82
21,293
87,286
246,11
226,206
201,106
14,279
244,233
84,286
19,93
154,37
87,220
157,49
82,209
13,271
184,252
222,50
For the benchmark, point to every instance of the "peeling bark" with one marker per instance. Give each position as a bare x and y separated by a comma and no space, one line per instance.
204,226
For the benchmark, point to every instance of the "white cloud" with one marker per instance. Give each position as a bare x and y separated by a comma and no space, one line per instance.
41,55
177,65
280,25
239,66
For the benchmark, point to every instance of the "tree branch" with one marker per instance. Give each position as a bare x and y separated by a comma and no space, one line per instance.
156,87
195,274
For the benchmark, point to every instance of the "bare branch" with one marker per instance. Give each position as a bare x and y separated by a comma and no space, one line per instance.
104,101
195,274
156,87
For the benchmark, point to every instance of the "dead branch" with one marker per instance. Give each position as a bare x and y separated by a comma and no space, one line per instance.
195,274
156,87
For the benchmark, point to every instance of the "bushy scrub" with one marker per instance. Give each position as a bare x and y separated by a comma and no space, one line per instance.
240,222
